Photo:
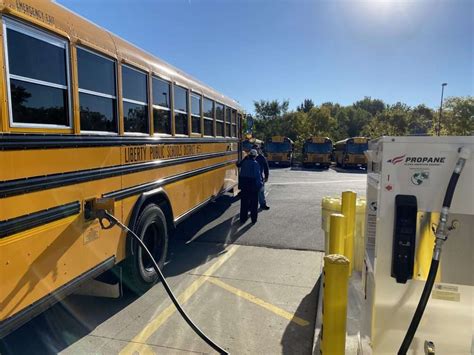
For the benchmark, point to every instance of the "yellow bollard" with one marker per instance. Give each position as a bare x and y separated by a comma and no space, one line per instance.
335,287
348,209
337,233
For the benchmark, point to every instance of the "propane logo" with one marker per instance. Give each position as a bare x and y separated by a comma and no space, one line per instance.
396,160
424,160
417,160
420,176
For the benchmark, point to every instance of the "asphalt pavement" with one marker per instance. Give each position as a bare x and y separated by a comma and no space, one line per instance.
252,288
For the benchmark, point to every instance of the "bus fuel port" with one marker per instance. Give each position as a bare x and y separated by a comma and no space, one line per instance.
96,207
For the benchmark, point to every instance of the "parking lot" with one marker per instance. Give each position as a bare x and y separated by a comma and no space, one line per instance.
251,288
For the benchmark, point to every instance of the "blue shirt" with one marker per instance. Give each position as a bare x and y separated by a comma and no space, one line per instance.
250,173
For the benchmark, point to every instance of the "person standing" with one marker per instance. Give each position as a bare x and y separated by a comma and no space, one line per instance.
264,171
250,182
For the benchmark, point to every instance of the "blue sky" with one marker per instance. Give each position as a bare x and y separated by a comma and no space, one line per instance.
333,50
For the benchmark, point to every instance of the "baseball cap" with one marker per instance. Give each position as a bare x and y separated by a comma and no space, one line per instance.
253,152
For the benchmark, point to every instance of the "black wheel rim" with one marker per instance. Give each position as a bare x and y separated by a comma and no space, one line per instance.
153,239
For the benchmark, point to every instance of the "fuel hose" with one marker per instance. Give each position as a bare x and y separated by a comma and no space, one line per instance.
441,236
113,220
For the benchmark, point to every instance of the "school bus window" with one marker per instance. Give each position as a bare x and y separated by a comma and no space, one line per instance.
135,112
219,120
161,106
196,113
181,110
97,92
228,111
234,123
239,124
208,117
37,73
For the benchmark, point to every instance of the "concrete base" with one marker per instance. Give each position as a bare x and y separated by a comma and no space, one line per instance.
353,316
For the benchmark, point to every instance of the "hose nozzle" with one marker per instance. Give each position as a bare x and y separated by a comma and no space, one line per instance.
100,208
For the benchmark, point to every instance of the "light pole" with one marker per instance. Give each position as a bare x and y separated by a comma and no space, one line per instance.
441,108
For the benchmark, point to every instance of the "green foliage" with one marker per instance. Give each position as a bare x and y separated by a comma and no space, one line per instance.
458,116
270,109
306,106
420,120
368,117
373,106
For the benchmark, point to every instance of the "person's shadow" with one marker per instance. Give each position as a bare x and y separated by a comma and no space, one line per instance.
204,236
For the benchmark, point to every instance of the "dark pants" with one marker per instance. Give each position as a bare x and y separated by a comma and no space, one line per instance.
248,202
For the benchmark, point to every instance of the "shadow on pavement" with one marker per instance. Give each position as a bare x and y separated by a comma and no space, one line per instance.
297,339
77,316
207,228
184,257
62,325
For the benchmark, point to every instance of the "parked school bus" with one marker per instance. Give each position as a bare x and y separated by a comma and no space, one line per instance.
350,152
317,151
279,151
87,115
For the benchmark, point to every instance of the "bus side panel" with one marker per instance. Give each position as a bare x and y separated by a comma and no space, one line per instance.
37,261
40,260
18,164
189,193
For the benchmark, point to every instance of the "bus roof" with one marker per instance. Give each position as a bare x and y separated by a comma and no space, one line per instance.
356,139
82,32
318,139
280,139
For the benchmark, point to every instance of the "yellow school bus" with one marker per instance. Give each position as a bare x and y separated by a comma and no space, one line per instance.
350,152
86,115
317,151
279,151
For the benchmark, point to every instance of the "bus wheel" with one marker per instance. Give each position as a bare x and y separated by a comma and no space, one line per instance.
139,274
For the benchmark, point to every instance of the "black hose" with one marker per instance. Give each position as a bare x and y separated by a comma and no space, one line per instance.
448,197
168,289
420,308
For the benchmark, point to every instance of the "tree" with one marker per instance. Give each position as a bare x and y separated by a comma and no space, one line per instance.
393,121
334,107
350,122
306,106
458,116
321,122
270,109
368,104
420,120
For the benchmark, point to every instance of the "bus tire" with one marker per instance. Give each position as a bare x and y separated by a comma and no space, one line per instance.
139,274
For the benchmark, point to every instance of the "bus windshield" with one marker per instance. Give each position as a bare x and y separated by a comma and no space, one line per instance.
278,147
357,148
318,147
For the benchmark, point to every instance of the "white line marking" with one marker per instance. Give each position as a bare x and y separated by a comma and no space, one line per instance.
312,182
